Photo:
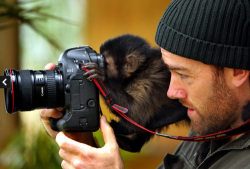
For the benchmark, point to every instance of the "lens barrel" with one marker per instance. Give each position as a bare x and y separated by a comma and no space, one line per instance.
33,89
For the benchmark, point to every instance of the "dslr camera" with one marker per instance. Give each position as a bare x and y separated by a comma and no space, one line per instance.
64,86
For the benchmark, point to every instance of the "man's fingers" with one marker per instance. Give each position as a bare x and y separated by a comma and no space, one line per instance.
66,165
70,145
49,66
60,108
47,113
67,158
107,131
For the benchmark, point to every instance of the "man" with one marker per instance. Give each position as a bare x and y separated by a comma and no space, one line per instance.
206,46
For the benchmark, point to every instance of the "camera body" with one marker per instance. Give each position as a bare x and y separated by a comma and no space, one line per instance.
81,95
64,86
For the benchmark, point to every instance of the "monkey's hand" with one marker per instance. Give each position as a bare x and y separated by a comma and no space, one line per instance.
94,72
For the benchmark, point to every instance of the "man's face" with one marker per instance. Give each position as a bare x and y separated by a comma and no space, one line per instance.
201,88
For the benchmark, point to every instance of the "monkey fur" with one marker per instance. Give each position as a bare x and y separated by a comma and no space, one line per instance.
137,79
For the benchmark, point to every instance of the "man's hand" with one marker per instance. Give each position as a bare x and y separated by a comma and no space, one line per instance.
78,155
45,114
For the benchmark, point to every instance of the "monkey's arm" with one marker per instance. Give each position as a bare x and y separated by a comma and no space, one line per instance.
139,97
94,72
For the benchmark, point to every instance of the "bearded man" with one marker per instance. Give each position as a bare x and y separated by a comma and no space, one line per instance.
206,46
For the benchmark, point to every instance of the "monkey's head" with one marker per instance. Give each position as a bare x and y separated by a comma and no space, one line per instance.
124,55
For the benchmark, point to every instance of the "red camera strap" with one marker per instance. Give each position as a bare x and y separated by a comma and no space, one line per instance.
243,128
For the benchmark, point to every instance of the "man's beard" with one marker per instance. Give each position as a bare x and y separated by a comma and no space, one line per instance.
217,111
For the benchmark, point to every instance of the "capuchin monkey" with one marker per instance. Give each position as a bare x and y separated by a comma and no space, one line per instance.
136,78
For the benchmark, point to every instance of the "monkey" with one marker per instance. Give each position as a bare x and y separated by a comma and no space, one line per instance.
136,78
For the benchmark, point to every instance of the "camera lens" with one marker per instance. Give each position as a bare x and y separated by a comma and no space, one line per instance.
33,89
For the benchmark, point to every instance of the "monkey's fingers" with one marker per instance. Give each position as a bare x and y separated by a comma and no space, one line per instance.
93,71
90,65
86,74
94,66
95,76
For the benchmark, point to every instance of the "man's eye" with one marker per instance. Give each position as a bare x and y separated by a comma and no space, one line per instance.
182,76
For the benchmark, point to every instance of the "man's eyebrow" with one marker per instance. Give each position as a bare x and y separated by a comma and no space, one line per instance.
175,67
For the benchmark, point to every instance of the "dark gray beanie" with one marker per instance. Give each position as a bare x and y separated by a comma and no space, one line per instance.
214,32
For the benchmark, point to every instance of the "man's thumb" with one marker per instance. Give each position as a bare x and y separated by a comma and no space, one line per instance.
107,131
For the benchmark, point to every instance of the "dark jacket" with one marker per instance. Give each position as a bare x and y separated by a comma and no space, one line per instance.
235,155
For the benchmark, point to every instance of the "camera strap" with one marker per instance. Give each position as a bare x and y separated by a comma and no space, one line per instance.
243,128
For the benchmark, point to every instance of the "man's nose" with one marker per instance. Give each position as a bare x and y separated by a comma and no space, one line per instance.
176,93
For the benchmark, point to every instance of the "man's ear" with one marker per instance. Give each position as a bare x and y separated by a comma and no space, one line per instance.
240,76
132,63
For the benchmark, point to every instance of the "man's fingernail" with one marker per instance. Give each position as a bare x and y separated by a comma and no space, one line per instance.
60,114
104,118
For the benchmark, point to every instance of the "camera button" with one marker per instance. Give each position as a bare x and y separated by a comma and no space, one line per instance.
67,88
83,122
91,103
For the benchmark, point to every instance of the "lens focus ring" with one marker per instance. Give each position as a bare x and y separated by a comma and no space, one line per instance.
51,88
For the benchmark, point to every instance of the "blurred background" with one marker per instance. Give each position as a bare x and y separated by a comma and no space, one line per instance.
34,33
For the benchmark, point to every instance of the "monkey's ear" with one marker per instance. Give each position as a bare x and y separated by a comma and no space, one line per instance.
132,63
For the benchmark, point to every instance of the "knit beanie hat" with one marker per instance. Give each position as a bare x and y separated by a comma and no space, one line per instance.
214,32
